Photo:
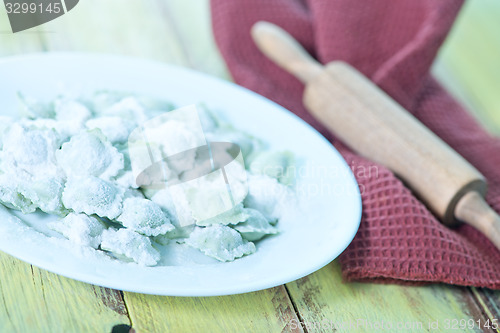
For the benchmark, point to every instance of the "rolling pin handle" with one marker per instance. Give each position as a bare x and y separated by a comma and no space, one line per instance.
285,51
473,209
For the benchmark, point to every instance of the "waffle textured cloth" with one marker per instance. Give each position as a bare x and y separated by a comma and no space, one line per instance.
394,44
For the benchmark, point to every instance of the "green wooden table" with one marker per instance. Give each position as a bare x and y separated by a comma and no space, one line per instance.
178,32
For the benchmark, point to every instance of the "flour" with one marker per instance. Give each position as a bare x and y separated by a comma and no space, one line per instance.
71,158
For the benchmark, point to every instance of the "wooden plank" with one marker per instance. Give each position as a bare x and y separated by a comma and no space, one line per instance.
176,31
264,311
18,43
489,301
34,300
192,23
133,27
324,301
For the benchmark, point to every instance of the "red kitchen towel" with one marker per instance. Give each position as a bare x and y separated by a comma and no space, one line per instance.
394,44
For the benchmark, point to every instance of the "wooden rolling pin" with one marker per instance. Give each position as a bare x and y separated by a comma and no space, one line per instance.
375,126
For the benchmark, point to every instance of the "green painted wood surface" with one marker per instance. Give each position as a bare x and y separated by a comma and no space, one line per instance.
268,310
178,32
34,300
321,299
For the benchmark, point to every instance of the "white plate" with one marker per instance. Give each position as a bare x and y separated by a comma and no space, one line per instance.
324,223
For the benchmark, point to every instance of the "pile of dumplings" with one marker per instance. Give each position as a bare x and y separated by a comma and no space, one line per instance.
69,157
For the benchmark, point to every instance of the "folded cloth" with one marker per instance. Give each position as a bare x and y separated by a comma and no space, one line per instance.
393,43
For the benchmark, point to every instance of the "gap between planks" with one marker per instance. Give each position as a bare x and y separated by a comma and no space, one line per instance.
488,306
126,310
295,309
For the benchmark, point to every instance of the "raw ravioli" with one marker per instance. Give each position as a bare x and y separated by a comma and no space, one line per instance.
101,101
125,179
11,197
65,116
173,137
125,243
29,150
80,229
71,116
115,129
179,234
182,230
247,143
132,193
46,194
179,211
90,154
255,227
207,196
220,242
145,217
127,108
233,216
92,195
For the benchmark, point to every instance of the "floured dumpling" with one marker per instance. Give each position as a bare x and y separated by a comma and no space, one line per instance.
220,242
71,116
46,194
80,229
89,154
11,197
114,128
256,226
127,244
233,216
145,217
29,151
128,108
92,195
181,230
